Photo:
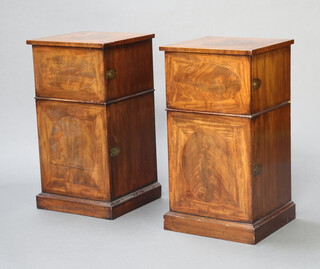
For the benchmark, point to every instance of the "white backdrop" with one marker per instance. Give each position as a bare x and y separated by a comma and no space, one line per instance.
31,238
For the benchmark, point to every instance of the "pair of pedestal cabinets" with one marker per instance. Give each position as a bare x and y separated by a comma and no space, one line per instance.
228,108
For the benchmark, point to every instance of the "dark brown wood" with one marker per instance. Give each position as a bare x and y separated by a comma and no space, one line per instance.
96,133
99,209
228,45
132,130
80,73
229,137
87,39
228,230
271,149
133,64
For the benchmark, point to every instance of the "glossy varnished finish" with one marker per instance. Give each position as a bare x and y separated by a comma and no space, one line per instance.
133,64
80,73
209,165
66,73
73,149
208,82
271,149
132,130
228,105
96,133
228,45
249,233
89,39
273,69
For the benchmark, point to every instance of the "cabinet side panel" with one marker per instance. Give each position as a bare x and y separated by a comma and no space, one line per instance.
271,153
133,64
209,165
132,144
72,141
273,69
69,73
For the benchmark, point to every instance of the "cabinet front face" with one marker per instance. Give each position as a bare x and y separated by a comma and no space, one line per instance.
209,165
208,82
73,157
69,73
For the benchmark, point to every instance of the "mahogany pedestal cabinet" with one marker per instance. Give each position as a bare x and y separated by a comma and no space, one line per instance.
228,109
95,114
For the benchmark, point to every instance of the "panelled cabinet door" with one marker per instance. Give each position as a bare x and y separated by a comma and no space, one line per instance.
72,139
203,82
69,73
209,165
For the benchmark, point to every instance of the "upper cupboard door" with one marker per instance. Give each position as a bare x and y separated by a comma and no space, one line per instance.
208,82
69,73
129,69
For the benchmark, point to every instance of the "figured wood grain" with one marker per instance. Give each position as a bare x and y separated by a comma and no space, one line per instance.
96,133
229,230
228,141
271,148
73,149
273,69
228,45
69,73
133,64
132,130
209,165
89,39
208,82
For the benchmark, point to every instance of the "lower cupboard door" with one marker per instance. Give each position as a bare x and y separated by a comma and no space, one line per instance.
209,165
73,149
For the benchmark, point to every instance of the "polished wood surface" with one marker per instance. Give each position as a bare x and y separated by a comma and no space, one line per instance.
69,73
134,67
273,69
132,130
99,209
80,73
271,149
209,165
229,230
96,133
228,45
73,149
208,82
228,109
87,39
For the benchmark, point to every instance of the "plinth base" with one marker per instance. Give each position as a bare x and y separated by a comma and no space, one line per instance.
99,209
229,230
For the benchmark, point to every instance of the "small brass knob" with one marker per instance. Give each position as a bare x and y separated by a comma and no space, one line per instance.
111,73
256,84
256,170
114,151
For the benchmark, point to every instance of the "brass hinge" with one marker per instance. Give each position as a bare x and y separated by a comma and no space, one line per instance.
111,73
256,84
114,151
256,169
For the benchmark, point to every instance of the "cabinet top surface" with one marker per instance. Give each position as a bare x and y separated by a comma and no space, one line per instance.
90,39
228,45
